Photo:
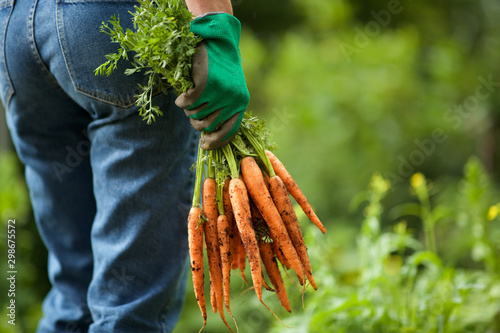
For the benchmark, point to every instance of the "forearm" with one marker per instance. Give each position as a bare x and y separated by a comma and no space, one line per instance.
200,7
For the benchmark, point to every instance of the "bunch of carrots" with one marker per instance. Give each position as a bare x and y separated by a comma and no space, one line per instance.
246,213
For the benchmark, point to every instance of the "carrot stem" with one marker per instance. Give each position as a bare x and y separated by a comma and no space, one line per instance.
220,178
231,161
239,146
259,149
210,164
199,177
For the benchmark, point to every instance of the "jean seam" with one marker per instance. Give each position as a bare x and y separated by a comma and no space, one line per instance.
4,61
34,49
63,44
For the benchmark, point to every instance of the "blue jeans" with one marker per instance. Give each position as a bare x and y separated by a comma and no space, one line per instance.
110,194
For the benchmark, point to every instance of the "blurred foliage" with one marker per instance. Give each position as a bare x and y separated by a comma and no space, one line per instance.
400,282
349,89
352,91
31,278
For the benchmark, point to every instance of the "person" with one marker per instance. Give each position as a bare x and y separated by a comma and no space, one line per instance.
111,194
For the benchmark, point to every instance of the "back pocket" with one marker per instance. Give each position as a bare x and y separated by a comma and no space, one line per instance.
84,48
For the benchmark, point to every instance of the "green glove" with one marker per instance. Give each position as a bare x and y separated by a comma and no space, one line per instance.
219,98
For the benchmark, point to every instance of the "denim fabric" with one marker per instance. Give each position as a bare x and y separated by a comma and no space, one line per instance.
110,193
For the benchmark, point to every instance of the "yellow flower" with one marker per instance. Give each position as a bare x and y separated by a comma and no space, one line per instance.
385,185
417,180
492,212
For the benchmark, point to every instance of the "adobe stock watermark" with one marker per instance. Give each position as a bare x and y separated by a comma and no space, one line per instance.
454,117
372,29
74,157
280,119
11,271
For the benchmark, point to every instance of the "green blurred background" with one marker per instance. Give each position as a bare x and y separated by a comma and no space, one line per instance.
348,89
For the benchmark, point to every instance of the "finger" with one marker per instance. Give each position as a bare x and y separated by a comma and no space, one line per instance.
212,140
201,124
199,74
194,111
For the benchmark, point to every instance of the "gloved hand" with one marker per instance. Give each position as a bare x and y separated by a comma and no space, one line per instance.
219,98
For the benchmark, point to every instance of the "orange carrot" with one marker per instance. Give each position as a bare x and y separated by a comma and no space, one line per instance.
225,252
260,225
228,210
242,259
213,297
236,251
285,207
233,229
211,241
259,222
234,256
294,190
260,195
212,244
272,269
279,255
241,209
265,284
239,257
195,237
266,180
256,215
261,231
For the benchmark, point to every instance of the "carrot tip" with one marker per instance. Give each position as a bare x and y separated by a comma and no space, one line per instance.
274,314
221,312
204,325
234,320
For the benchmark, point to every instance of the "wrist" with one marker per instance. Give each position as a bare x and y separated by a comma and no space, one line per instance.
202,7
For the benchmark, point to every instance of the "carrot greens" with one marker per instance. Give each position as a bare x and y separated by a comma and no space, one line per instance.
161,45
